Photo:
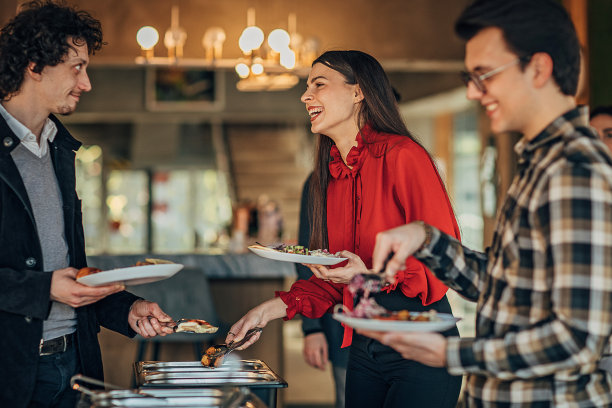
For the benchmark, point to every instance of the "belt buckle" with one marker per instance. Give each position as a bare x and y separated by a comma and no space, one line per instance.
64,346
65,337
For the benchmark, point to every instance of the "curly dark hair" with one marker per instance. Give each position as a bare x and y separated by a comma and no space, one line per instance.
42,33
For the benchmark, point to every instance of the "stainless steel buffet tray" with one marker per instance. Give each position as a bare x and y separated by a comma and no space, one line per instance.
251,373
225,397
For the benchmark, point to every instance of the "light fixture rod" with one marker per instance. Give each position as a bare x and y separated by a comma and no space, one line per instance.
174,19
292,24
250,16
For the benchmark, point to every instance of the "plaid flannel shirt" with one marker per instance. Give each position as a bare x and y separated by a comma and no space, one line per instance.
544,287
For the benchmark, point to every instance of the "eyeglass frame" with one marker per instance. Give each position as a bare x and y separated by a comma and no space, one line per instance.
478,79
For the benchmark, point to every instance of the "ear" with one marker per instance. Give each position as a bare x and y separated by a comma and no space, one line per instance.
30,72
358,95
542,65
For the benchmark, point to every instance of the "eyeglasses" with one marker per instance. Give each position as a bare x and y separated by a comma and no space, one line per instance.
478,79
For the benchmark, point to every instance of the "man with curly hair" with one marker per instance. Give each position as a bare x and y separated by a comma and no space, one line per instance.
50,321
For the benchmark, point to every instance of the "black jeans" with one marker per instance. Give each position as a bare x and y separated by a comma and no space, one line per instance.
52,387
378,376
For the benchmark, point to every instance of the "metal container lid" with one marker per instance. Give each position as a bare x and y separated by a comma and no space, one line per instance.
167,374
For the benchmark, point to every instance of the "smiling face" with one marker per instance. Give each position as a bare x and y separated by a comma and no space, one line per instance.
333,105
61,86
603,124
509,95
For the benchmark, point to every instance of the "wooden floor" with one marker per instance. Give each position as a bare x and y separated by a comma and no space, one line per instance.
308,387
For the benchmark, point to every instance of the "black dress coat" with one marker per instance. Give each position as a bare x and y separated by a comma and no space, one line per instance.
24,283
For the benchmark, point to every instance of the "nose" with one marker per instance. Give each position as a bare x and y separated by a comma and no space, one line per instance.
472,92
306,96
84,83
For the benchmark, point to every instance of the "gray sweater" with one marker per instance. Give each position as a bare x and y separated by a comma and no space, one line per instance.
46,201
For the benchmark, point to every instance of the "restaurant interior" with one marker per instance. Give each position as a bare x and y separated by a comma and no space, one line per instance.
196,144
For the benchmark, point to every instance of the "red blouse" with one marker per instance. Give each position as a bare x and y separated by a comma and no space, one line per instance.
391,183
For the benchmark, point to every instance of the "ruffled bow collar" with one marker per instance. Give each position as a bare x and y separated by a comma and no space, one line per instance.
355,158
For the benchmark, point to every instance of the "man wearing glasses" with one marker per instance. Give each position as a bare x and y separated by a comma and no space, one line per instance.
544,287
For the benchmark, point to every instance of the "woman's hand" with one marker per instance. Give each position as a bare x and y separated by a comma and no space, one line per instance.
426,348
342,274
316,350
259,316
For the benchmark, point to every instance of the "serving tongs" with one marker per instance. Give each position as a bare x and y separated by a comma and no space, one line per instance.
213,357
77,381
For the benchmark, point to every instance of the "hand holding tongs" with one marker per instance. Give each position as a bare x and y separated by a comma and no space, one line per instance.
214,354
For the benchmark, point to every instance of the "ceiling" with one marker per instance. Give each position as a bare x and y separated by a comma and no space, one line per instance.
404,30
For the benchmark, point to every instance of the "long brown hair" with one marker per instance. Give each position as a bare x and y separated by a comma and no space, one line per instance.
378,108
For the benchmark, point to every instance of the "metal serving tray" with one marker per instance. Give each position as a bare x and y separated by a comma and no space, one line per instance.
229,397
251,373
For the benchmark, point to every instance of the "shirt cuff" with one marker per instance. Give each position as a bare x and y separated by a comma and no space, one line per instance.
312,331
459,355
426,250
292,302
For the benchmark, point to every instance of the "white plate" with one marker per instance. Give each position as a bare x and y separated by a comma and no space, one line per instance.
133,275
446,322
307,259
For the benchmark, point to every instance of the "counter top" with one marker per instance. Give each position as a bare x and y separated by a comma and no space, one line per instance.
226,266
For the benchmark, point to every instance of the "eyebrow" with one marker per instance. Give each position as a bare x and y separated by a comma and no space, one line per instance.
481,68
317,77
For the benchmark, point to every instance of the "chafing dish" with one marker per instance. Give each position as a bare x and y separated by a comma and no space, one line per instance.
225,397
254,374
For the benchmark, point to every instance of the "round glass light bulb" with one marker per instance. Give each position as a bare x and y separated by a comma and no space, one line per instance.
147,37
175,37
251,38
257,69
242,69
287,58
213,36
278,39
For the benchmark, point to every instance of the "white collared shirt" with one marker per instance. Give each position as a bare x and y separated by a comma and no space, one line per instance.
28,139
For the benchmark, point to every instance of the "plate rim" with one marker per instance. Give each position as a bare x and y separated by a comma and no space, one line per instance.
328,260
399,325
122,279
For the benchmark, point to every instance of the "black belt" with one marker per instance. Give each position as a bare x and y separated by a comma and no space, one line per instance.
56,345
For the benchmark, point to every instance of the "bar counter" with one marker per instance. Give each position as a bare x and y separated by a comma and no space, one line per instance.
234,282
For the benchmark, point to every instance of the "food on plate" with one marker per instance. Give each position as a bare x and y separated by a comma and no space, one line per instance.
408,316
87,271
297,249
152,261
195,326
367,308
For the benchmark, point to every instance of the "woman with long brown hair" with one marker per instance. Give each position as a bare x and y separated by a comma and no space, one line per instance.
370,175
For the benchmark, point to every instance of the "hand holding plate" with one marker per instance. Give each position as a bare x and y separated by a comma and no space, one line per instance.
426,348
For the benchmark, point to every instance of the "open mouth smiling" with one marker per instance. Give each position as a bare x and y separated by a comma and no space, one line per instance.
314,112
